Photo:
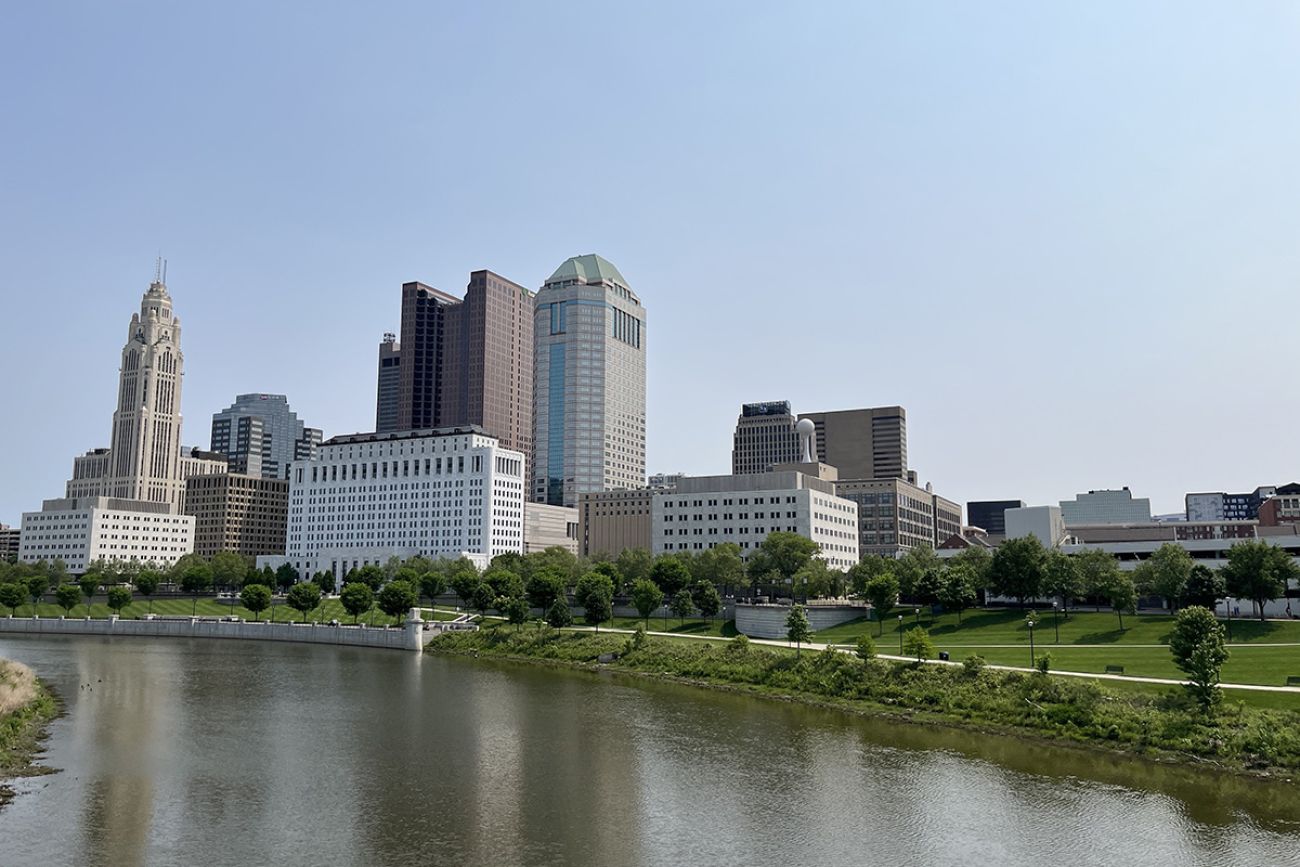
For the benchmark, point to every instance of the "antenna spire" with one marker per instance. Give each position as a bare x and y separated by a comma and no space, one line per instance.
157,270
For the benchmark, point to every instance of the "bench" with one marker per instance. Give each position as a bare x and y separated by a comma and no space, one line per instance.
1293,680
1114,669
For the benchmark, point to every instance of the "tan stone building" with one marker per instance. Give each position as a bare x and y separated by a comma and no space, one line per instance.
895,516
244,514
547,526
611,522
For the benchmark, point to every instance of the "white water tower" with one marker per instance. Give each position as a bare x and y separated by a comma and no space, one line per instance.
805,429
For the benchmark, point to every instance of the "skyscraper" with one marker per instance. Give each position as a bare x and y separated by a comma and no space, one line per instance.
764,437
462,362
589,332
863,443
261,435
390,361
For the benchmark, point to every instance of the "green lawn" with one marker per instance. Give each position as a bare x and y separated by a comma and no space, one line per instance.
691,626
212,607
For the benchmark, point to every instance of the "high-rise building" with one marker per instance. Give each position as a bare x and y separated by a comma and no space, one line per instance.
895,515
764,437
244,514
10,537
1221,506
261,436
388,387
990,515
1106,507
589,418
863,443
461,362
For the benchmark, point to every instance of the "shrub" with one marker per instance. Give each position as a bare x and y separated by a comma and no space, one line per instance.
866,647
972,665
1043,663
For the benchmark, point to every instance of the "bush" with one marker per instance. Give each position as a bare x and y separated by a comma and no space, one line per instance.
739,645
972,665
866,647
1043,663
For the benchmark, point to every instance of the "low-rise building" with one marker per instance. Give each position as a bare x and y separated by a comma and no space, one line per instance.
1106,507
245,514
365,498
10,538
80,531
1280,510
1044,522
611,522
896,515
547,526
705,511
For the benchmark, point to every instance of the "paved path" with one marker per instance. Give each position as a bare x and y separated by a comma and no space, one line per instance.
1256,687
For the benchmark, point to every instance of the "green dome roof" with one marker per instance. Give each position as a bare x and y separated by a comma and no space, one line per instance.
589,269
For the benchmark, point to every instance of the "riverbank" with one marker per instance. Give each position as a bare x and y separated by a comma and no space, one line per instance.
26,708
1065,711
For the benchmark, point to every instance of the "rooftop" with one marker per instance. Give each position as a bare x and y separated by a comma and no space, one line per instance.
588,269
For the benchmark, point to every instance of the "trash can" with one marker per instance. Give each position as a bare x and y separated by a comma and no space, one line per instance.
943,655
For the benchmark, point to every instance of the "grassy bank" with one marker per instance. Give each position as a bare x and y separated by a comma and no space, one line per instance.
26,707
1065,710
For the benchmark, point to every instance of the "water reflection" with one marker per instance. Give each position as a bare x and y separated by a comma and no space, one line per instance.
224,753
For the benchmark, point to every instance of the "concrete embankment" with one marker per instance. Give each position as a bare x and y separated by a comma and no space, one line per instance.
413,635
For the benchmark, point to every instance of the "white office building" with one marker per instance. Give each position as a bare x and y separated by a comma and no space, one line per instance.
366,498
82,530
1106,507
707,510
1045,522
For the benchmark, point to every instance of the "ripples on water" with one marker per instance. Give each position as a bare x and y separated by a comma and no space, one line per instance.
226,753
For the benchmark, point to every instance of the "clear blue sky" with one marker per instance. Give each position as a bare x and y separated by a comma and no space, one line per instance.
1063,236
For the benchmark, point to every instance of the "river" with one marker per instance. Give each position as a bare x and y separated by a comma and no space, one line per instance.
220,753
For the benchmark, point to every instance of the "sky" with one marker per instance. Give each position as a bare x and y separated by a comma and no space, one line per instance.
1062,236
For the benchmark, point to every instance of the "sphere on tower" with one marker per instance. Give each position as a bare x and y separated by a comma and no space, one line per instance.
805,429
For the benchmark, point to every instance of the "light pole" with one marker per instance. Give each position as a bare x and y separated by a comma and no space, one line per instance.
1031,624
1056,624
900,635
918,617
1227,607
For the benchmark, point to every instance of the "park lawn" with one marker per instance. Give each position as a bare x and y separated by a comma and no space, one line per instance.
691,626
983,627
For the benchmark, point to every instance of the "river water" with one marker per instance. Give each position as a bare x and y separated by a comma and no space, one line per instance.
238,753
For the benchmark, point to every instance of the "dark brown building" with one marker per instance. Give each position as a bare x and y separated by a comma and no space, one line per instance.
468,362
245,514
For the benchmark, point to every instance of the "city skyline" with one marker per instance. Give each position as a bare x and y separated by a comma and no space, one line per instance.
1096,295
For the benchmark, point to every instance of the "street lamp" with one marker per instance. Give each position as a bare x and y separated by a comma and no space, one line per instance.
918,617
1031,624
1055,624
1227,607
900,635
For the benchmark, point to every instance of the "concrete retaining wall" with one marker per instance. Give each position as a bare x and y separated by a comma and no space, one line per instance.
412,636
768,621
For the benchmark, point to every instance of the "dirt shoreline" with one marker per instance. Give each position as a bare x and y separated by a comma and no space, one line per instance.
27,707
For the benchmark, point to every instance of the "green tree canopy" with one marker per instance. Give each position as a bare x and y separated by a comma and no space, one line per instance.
634,564
1204,587
256,598
357,599
917,642
681,604
285,577
1097,571
326,581
559,615
13,594
370,575
67,596
398,597
228,569
595,593
482,598
881,591
546,585
913,568
670,574
783,553
817,580
504,583
37,585
119,597
867,568
1061,577
707,600
1122,595
722,565
432,584
1017,568
1198,650
958,590
1165,573
89,586
516,610
463,578
796,627
304,597
1259,572
646,597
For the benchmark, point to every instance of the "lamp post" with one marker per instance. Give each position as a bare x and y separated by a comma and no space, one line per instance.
918,617
900,635
1056,624
1227,607
1031,624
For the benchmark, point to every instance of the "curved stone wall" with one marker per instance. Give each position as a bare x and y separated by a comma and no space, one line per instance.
768,621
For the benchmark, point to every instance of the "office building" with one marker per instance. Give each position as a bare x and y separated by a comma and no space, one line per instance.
589,407
764,437
240,513
706,511
10,541
1220,506
863,443
1106,507
389,384
81,530
261,435
988,514
446,492
547,526
1044,522
895,515
611,522
1281,509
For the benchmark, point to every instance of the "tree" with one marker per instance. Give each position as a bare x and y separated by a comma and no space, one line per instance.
326,581
1017,569
1122,595
12,594
607,568
558,615
546,585
1198,650
357,598
1165,573
370,575
397,598
196,578
432,585
958,590
707,599
1204,587
976,562
595,593
1061,578
1259,572
721,566
504,583
516,610
681,604
867,568
89,586
646,597
304,597
634,564
463,578
118,598
256,598
796,627
912,568
67,596
556,557
146,583
285,577
782,553
916,641
1097,571
882,592
482,598
265,577
865,648
670,574
228,569
36,587
929,586
815,579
